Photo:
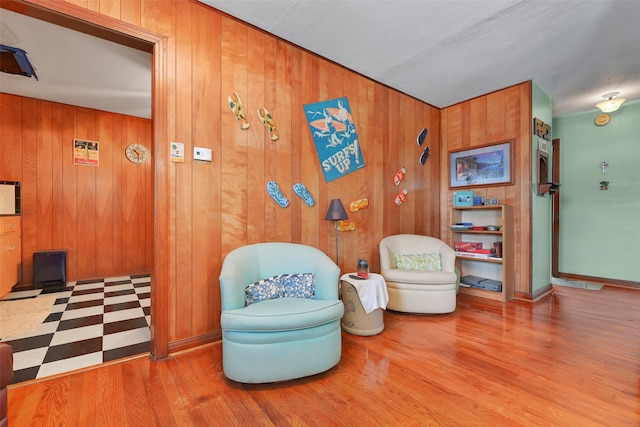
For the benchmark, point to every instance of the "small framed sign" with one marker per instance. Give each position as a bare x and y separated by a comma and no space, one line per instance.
86,153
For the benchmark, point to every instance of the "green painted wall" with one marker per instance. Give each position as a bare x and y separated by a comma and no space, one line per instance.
600,230
541,208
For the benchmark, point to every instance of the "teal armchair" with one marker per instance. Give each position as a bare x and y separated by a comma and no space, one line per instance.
282,338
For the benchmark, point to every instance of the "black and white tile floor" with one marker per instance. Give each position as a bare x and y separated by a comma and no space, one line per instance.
91,322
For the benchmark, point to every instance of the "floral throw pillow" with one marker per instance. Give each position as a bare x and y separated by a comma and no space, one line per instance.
263,290
428,262
299,285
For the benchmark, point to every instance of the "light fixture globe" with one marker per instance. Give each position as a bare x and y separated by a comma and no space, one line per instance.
611,103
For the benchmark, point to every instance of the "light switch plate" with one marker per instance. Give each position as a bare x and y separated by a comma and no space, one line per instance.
200,153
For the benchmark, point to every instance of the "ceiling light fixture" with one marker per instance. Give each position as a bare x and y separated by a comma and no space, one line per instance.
611,103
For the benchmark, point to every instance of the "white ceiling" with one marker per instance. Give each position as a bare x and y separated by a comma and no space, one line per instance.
447,51
77,69
439,51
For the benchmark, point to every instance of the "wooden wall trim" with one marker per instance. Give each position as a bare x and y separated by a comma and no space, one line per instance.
162,231
536,296
86,21
191,342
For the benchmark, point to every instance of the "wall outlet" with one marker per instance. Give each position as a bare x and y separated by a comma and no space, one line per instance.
200,153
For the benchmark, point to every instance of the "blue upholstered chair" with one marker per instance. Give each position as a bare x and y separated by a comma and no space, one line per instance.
282,338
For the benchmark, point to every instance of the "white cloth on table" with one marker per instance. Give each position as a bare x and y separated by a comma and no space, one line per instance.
372,291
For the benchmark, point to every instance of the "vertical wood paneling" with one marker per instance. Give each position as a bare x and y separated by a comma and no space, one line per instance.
349,184
311,175
366,242
130,11
70,207
57,160
204,103
11,137
110,8
29,179
377,159
258,52
395,159
44,184
182,183
118,184
129,194
234,139
270,208
478,121
284,147
408,144
69,192
86,129
297,205
143,195
104,195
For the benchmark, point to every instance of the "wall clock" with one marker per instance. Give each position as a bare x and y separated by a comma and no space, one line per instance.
137,153
602,119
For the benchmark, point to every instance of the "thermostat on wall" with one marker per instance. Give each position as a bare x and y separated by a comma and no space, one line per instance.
200,153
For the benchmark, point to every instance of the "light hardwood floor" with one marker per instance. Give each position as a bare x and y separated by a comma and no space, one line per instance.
572,359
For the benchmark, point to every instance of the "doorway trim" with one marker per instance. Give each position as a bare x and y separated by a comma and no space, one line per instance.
102,26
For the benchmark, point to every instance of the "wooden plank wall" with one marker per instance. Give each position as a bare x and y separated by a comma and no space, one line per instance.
102,216
218,206
495,117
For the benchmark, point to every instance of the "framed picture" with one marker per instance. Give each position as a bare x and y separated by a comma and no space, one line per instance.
86,153
486,165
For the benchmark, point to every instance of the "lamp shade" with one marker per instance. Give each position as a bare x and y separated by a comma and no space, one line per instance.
336,211
611,103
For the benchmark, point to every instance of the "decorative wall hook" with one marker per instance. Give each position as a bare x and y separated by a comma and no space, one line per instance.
603,166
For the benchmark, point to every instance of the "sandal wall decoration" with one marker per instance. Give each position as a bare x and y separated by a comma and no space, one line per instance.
237,108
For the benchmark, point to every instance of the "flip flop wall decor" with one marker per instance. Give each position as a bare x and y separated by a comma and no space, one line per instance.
274,191
237,108
304,194
267,120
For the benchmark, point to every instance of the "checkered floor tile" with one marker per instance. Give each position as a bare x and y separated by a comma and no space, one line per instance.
91,322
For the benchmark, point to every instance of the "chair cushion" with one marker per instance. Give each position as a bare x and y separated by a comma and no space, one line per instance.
428,262
419,276
282,314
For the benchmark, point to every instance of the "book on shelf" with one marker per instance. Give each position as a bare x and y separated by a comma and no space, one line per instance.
465,246
480,251
481,283
467,254
460,227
